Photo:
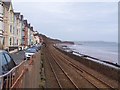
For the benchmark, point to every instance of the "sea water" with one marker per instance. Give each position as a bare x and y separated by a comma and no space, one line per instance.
106,51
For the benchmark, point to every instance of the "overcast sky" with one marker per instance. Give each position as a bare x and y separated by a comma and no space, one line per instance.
79,21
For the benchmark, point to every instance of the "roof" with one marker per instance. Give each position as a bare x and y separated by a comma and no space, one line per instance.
7,4
21,17
29,25
37,34
31,28
25,21
17,13
2,51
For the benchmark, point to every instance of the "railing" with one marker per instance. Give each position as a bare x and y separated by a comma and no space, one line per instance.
25,75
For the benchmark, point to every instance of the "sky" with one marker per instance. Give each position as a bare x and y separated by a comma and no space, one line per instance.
72,20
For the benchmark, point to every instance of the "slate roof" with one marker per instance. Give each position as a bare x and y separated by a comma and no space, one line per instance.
25,21
7,4
21,17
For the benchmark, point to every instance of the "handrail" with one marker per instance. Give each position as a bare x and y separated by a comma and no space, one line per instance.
12,69
20,76
16,77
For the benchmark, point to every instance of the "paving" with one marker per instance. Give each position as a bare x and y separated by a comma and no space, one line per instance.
18,56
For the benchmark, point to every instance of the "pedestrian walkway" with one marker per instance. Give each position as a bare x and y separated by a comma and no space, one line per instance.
25,75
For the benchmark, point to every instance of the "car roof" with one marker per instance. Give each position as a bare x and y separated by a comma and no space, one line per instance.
1,51
31,49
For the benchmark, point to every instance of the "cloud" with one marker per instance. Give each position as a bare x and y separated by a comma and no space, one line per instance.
64,0
72,20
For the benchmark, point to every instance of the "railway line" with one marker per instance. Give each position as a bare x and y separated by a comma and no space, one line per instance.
84,73
65,72
63,80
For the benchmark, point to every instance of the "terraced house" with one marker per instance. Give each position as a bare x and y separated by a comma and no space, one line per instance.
37,38
32,38
11,26
15,32
29,35
25,37
22,32
8,25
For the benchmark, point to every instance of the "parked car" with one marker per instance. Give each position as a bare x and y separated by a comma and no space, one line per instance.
6,64
29,52
35,47
38,46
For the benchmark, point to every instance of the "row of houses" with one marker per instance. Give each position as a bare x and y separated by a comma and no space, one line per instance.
15,31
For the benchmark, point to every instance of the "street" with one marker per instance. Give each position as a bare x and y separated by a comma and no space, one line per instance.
18,56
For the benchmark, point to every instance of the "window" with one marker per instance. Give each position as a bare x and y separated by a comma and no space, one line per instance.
11,28
4,41
4,63
10,41
31,50
7,57
17,41
17,31
11,16
13,41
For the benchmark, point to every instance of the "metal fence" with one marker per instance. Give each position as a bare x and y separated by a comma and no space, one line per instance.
25,75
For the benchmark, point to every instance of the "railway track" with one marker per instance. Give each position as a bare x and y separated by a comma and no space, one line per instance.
86,75
50,82
59,59
63,80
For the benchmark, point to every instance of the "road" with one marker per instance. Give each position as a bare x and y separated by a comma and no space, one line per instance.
18,57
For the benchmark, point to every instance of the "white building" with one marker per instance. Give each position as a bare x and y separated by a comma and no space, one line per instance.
1,23
29,35
17,29
37,38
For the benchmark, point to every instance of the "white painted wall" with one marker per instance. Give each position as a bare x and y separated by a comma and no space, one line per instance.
1,26
28,36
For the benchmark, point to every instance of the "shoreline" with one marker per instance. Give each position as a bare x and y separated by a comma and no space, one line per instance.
98,60
66,48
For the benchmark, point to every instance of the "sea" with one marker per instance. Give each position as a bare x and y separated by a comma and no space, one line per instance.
106,51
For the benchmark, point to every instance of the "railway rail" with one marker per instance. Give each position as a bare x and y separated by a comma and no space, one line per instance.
57,59
89,77
77,70
62,78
